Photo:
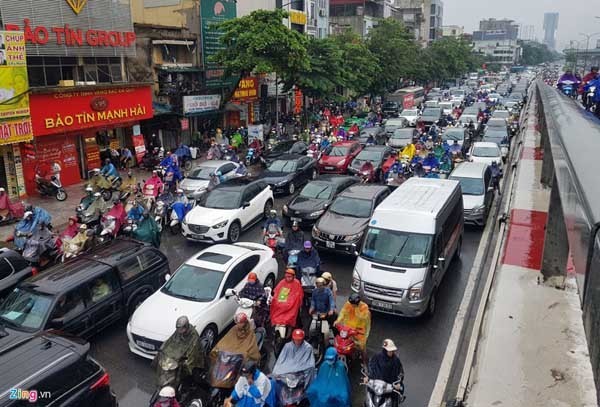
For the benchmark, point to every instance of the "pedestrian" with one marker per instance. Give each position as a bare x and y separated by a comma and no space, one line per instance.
126,158
56,169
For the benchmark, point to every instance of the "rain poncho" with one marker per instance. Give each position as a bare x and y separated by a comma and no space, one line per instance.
240,340
357,317
99,181
287,299
383,367
181,209
148,232
408,151
184,348
41,241
109,170
237,140
294,358
172,175
331,387
118,212
129,184
255,395
136,212
78,240
183,151
431,161
70,231
155,181
7,208
87,200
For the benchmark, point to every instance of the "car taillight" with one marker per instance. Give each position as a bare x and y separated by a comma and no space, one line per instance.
104,381
34,271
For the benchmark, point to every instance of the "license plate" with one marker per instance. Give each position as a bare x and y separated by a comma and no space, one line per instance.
380,304
145,345
198,236
330,245
329,168
296,219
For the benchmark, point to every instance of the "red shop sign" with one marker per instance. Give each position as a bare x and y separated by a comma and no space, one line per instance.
73,110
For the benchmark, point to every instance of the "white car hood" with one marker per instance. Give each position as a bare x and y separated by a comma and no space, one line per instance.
207,216
194,184
392,279
472,201
156,316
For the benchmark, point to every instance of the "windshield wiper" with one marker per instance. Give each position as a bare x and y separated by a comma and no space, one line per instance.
399,251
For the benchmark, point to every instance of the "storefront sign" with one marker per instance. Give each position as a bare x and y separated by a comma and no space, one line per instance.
185,124
92,153
139,147
72,27
298,101
247,89
61,112
15,130
213,12
297,17
14,99
201,103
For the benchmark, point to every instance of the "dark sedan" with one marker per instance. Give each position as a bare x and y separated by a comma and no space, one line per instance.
315,198
284,148
288,172
13,269
431,115
378,133
342,226
382,157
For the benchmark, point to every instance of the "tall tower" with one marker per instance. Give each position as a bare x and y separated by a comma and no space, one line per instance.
550,27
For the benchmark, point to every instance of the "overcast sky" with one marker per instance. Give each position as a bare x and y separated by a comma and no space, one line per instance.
576,16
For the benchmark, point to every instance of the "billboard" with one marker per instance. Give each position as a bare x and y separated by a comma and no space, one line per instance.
14,98
213,12
72,27
200,103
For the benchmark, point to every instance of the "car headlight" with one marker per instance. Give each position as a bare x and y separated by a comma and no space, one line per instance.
415,292
220,224
315,231
355,286
284,209
352,238
316,213
281,183
341,162
478,209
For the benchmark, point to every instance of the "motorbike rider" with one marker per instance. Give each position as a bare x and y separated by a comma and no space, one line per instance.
137,211
370,139
325,142
568,76
294,240
272,219
69,232
355,314
166,398
253,289
431,161
296,356
409,151
386,366
109,170
185,347
129,184
169,160
330,283
7,209
252,388
331,387
593,74
88,199
180,197
155,181
496,175
287,300
309,257
429,143
455,148
367,168
322,301
80,240
147,230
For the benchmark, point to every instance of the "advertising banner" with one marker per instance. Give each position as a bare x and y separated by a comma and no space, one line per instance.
247,89
15,130
201,103
14,99
408,101
255,131
213,12
139,146
73,110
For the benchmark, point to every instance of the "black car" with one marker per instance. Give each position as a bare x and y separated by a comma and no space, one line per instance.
378,155
378,133
85,295
13,269
284,148
315,197
52,370
342,226
431,115
391,109
288,172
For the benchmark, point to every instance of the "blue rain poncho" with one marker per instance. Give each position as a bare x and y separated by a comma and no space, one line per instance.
331,388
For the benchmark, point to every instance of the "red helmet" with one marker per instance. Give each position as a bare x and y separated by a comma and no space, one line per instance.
240,318
298,335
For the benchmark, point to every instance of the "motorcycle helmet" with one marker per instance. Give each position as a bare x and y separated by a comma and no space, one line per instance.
327,276
320,281
249,368
354,298
331,354
29,208
179,191
89,189
182,324
27,214
167,392
295,224
2,189
240,318
97,195
298,335
83,227
252,277
272,213
291,271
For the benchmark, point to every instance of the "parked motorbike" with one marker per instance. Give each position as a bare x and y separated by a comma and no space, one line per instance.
378,393
50,188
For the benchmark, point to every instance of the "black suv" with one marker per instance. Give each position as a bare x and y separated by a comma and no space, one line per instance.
49,370
13,269
85,295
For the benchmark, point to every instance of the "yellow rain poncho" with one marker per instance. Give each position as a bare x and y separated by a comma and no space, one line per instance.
357,317
408,151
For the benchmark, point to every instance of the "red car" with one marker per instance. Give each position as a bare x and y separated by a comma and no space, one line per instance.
337,157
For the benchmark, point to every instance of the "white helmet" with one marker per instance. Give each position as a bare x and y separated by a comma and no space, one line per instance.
97,194
167,391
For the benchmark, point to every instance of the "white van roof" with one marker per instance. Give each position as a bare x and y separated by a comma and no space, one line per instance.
469,169
414,206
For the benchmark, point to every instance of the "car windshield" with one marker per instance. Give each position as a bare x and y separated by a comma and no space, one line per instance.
286,166
201,173
486,151
337,151
194,283
24,309
390,104
396,248
282,147
316,190
495,136
431,113
372,155
446,105
409,113
403,134
470,186
454,135
354,207
222,199
500,114
496,123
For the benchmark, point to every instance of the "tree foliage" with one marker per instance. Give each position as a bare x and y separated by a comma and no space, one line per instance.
449,58
535,53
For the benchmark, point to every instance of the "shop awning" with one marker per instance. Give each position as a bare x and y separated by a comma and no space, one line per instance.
205,114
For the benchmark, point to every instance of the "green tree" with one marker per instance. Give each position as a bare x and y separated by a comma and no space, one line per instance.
450,58
359,66
535,53
260,42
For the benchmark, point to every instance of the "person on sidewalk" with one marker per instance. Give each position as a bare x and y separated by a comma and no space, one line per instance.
126,158
56,169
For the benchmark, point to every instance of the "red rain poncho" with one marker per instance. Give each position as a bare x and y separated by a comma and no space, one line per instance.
287,300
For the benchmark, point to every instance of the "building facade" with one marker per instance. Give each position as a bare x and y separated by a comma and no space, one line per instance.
424,18
453,31
82,100
550,27
358,15
497,47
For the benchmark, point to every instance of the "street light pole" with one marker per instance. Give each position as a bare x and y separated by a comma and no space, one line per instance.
587,48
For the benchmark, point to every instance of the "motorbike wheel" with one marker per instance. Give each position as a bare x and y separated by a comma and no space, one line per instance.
118,183
176,229
106,194
61,195
318,351
188,165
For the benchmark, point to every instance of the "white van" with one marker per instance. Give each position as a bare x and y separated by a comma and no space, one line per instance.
477,189
411,240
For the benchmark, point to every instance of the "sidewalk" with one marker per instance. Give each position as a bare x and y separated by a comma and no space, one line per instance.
532,350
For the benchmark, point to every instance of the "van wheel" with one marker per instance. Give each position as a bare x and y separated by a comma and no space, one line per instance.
431,305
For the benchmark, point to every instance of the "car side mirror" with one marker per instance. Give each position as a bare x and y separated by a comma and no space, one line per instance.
441,259
167,277
490,189
245,205
230,292
57,323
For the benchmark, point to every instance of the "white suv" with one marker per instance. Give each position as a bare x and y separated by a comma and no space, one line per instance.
197,290
228,210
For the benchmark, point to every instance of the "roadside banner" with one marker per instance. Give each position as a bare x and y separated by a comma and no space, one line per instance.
14,85
255,131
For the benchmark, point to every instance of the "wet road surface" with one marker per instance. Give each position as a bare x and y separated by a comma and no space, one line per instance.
421,342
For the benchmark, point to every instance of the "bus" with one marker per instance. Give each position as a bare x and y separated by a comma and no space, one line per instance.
408,97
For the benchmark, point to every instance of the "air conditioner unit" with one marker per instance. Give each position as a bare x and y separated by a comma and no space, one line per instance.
322,12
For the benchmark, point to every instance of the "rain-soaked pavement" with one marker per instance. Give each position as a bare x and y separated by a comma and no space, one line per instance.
421,343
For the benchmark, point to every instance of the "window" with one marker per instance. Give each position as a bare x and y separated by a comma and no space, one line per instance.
129,269
102,287
70,378
454,219
433,9
214,257
250,193
432,21
432,34
251,262
149,259
227,168
68,305
5,268
236,275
